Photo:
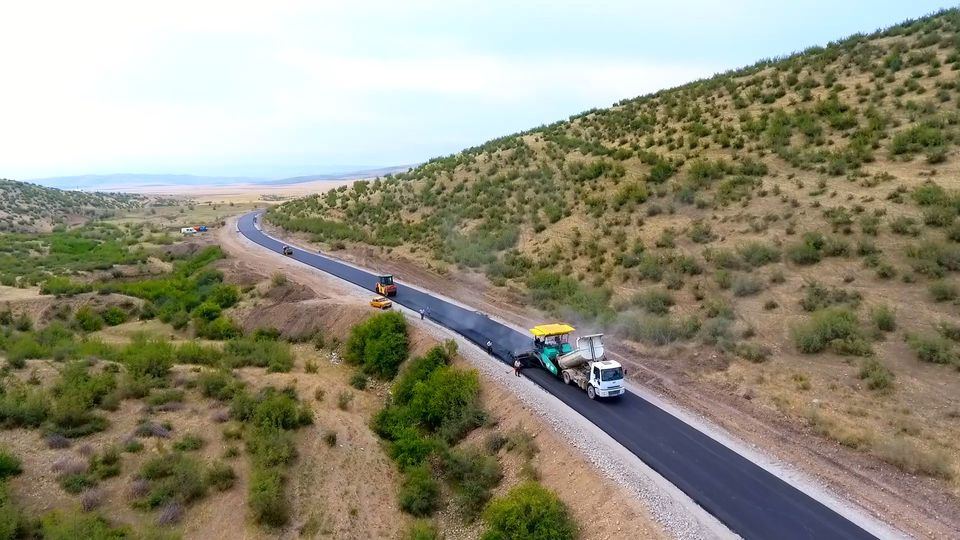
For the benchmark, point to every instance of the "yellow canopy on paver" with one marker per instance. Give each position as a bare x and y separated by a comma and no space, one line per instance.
555,329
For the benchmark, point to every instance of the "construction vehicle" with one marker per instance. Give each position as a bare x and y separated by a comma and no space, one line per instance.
381,302
386,286
287,250
585,366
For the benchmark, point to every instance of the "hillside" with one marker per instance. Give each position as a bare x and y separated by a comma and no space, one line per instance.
796,219
31,208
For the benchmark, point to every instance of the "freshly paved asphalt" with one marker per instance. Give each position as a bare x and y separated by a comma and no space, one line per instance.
746,498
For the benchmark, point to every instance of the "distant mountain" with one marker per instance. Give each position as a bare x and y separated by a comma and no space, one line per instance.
126,181
366,173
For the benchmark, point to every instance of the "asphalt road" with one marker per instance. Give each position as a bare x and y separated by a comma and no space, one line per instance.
746,498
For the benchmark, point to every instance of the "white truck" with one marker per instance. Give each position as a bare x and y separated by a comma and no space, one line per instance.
585,366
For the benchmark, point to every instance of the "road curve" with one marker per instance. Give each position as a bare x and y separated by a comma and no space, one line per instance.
749,500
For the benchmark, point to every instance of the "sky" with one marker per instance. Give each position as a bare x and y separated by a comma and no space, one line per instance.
287,88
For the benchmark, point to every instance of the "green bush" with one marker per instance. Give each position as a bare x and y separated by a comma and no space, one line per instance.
836,328
656,330
746,285
447,403
420,492
148,357
87,319
10,464
219,385
63,286
933,349
276,356
207,311
220,328
358,381
757,254
378,345
192,352
188,443
266,498
418,370
113,316
421,530
221,476
884,318
22,406
473,474
175,477
654,301
70,526
528,511
876,375
943,291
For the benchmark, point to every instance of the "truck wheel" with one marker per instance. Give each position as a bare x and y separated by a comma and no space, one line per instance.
566,378
591,393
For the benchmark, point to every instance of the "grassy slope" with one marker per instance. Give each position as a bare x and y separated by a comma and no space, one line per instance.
683,217
31,208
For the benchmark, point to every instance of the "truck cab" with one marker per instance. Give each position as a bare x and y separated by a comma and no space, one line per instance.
606,379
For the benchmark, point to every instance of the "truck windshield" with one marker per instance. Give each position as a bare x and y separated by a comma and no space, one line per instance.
613,374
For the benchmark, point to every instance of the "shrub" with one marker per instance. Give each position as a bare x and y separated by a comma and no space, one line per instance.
188,443
884,318
266,499
473,475
113,316
816,296
876,375
933,349
148,357
330,437
654,301
358,381
218,384
656,330
943,291
753,352
757,254
276,356
803,254
746,285
421,530
418,370
378,345
67,526
913,459
10,464
528,511
175,477
420,492
192,352
221,476
343,400
87,319
220,328
836,328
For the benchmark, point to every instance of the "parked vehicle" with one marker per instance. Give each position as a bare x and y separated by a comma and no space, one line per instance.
381,302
